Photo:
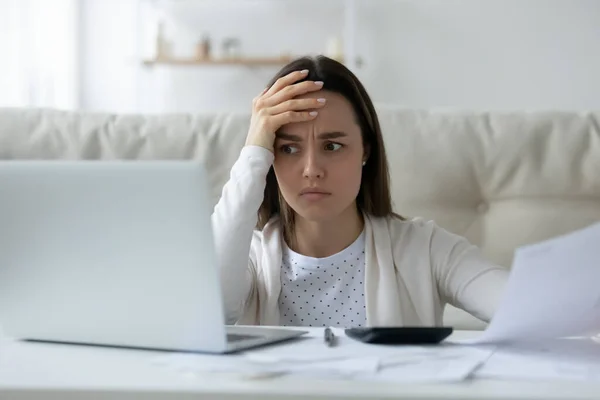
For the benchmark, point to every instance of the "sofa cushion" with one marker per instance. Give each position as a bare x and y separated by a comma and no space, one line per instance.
501,179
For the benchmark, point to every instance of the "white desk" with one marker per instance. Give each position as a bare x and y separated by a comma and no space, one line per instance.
52,372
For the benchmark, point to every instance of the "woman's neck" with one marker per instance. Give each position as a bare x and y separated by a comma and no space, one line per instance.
325,238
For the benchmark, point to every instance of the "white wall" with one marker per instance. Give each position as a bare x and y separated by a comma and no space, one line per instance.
38,62
495,54
108,64
484,54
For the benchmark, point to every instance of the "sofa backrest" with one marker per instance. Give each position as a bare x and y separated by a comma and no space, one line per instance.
502,179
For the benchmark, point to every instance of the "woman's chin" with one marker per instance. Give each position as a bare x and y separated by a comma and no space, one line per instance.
318,213
314,213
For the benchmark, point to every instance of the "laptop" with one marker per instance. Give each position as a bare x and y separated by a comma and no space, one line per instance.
114,253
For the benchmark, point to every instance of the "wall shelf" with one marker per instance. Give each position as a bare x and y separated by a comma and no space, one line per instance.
248,61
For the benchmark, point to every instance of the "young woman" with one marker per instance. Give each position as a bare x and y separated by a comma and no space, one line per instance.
305,231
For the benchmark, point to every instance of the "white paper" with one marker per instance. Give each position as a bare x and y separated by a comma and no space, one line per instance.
558,359
553,291
349,359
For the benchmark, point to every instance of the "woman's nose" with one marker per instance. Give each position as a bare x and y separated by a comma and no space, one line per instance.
313,168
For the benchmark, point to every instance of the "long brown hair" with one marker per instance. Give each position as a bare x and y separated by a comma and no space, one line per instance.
374,194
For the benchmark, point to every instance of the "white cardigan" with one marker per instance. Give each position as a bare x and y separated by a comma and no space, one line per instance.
412,268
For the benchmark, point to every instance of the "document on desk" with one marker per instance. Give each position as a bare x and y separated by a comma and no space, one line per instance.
349,359
554,359
553,291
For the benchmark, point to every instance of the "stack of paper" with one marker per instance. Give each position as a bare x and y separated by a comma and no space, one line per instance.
349,359
559,359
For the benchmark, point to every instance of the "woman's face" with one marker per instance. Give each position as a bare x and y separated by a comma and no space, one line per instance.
318,164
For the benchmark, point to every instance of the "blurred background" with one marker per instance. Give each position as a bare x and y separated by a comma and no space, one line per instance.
146,56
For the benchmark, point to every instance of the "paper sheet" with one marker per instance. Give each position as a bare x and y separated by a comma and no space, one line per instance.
348,360
553,291
559,359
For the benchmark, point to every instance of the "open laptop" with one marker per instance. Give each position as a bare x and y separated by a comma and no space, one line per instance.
114,253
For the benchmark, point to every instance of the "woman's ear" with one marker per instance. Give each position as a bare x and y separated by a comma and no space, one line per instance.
366,153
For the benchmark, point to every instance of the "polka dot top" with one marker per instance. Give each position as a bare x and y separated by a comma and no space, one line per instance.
325,291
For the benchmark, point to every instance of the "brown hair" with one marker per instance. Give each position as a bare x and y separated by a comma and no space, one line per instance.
374,194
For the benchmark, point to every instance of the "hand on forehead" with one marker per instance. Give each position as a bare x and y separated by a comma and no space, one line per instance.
336,116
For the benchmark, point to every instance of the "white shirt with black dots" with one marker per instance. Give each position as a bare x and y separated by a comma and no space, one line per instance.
325,291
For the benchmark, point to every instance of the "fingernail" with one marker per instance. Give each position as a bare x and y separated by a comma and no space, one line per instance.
321,100
313,113
304,71
319,83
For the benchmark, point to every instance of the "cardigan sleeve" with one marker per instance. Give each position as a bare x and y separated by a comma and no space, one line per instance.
234,220
466,279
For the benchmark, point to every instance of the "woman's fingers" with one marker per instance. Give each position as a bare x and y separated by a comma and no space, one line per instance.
294,116
296,105
289,92
286,81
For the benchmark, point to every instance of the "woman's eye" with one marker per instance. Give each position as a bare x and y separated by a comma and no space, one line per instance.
333,146
286,148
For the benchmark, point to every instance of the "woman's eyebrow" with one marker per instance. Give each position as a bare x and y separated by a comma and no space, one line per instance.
332,135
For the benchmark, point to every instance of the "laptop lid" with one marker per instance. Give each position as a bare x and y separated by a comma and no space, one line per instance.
109,252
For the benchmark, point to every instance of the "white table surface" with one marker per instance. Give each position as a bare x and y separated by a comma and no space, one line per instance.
52,371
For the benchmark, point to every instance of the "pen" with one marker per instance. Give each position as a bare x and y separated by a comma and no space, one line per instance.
329,337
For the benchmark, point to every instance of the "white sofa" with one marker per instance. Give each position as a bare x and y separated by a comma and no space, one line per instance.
501,179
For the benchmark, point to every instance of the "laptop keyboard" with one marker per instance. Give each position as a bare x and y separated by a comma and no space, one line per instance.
232,337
